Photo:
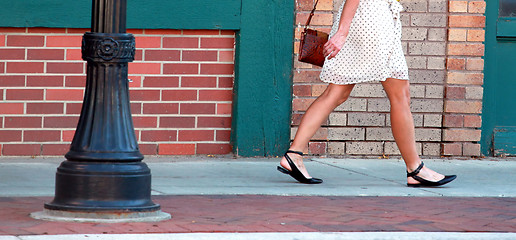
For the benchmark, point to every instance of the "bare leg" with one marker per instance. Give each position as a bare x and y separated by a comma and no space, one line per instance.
333,96
402,125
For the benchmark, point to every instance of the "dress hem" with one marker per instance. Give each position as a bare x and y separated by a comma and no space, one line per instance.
365,81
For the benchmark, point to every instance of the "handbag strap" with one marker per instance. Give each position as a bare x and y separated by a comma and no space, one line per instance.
311,15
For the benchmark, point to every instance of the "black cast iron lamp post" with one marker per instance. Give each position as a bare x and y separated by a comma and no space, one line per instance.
104,176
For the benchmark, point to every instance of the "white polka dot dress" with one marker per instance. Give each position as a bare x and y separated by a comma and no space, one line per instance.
372,51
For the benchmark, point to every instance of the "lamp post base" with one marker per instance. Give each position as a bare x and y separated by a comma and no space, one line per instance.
98,187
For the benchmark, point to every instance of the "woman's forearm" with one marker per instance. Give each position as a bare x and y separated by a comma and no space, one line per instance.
348,12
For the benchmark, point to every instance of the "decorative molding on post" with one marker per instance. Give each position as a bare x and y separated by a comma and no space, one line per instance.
105,131
101,47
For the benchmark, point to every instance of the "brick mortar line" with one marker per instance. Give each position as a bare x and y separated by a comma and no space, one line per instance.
473,14
83,62
192,101
67,142
463,128
43,74
377,126
130,75
137,49
199,49
139,141
185,142
137,35
185,36
179,115
39,101
39,115
183,61
185,88
465,70
39,48
422,41
466,28
181,75
381,97
405,13
466,86
182,128
41,128
34,143
428,12
466,42
182,142
134,34
44,61
40,34
134,115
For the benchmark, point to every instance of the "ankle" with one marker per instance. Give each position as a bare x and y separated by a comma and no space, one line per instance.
297,149
413,166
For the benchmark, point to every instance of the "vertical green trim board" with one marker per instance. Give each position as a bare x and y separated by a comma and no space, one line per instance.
490,63
263,86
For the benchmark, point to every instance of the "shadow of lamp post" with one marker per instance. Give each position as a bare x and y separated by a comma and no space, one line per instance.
104,177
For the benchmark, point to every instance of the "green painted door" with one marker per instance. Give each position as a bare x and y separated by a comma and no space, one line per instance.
499,112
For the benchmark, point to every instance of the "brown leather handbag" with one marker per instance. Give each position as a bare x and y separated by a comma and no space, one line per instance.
312,43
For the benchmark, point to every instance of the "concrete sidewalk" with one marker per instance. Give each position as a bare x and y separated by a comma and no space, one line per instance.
21,177
249,199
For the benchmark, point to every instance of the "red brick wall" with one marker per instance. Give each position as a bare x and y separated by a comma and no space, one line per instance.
181,90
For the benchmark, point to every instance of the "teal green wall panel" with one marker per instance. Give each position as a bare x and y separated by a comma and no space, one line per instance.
149,14
263,92
46,13
181,14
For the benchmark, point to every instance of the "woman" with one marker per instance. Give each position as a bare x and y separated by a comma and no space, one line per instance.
364,46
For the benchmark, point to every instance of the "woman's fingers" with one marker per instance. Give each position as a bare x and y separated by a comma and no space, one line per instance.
327,49
333,46
330,50
333,54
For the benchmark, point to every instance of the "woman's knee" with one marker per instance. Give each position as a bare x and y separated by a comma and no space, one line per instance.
398,93
338,93
401,96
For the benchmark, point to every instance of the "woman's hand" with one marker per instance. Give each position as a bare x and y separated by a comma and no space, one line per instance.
334,44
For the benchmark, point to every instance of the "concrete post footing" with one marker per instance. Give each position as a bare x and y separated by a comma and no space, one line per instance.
99,217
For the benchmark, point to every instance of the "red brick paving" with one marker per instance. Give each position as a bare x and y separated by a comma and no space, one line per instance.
256,213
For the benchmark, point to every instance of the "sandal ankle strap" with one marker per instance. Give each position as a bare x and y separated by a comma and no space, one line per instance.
296,152
416,172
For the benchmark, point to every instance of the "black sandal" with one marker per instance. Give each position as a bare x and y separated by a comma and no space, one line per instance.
425,183
295,173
